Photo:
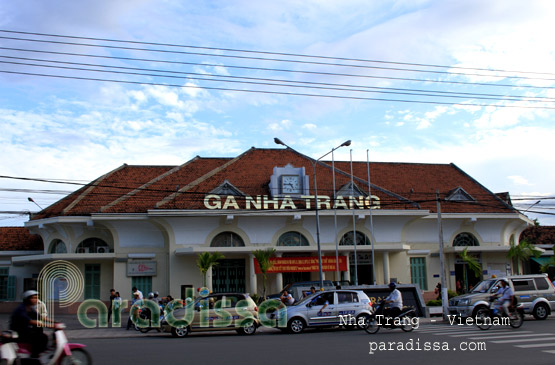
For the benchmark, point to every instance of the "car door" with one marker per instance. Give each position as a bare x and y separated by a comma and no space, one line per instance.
328,316
525,290
348,306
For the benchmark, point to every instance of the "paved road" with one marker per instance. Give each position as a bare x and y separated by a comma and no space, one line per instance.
533,343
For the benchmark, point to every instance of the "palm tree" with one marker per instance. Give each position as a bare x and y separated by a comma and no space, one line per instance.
263,258
472,263
205,261
522,252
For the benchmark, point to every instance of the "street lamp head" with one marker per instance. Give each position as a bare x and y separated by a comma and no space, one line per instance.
346,143
278,141
30,199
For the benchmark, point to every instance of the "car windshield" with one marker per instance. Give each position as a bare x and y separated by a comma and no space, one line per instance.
483,286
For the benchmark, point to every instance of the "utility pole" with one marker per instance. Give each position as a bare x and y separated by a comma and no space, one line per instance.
444,296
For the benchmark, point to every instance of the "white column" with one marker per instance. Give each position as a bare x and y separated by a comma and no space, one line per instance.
252,276
279,277
385,257
348,272
209,279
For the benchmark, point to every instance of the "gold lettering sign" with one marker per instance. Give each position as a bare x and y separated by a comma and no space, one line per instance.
262,202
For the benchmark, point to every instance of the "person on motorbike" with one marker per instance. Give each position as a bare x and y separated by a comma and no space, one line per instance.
395,301
506,296
26,322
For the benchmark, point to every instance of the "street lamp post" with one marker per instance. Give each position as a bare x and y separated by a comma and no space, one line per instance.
314,162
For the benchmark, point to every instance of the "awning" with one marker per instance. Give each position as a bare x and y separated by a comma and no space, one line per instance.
542,260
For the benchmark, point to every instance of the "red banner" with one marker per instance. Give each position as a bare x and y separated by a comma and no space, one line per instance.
302,264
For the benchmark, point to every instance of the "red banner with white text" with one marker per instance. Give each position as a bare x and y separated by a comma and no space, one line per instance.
302,264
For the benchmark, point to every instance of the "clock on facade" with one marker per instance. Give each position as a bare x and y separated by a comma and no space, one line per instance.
290,184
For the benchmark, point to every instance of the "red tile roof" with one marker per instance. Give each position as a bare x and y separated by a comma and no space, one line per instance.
539,235
19,239
137,189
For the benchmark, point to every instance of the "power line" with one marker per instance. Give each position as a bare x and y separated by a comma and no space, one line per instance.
272,92
451,95
273,53
279,70
288,83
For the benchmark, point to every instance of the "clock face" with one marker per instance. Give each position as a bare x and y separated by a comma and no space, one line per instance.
290,184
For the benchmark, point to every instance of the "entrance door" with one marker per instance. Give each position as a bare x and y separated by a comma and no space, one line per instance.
229,276
364,268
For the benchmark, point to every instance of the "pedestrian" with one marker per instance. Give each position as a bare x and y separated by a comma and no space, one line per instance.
112,297
156,297
132,310
135,290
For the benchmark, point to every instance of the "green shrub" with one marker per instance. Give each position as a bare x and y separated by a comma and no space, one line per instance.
434,303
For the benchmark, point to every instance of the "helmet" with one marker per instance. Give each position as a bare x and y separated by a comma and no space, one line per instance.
151,295
505,281
30,293
156,293
392,285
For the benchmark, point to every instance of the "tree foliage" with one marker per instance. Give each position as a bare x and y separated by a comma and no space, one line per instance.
263,257
205,261
522,252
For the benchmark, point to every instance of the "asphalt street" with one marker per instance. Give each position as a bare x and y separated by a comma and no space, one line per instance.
533,343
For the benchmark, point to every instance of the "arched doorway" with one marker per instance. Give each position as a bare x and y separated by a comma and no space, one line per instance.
465,278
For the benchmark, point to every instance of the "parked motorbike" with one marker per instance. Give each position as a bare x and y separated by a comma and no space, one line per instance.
59,352
405,320
486,317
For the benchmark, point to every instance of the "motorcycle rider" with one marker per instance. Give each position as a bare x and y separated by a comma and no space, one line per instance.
26,322
395,301
506,296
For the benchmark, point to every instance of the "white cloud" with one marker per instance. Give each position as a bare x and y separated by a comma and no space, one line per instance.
519,180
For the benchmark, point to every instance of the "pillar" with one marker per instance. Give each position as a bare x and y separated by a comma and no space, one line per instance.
385,257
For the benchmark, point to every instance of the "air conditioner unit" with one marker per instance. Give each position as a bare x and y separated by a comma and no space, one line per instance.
83,250
102,250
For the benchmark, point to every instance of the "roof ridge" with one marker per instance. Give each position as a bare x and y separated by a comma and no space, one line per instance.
145,185
202,178
90,188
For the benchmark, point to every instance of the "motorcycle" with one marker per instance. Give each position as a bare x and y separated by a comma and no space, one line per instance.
405,320
59,352
145,314
486,317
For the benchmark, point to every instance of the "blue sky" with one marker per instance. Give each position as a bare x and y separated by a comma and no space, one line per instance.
75,130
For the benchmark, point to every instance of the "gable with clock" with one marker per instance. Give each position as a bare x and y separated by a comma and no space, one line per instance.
288,180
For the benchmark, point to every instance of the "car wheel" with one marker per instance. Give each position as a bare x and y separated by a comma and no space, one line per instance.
296,325
540,311
180,332
247,329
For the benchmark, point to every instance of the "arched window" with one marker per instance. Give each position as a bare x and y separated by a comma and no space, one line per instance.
227,239
292,239
465,239
347,239
93,245
58,246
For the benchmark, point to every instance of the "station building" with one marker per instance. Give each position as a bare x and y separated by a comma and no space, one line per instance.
144,226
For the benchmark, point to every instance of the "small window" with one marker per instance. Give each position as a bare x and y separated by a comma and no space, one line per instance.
541,283
292,239
346,297
58,246
93,245
465,239
227,239
523,285
347,239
